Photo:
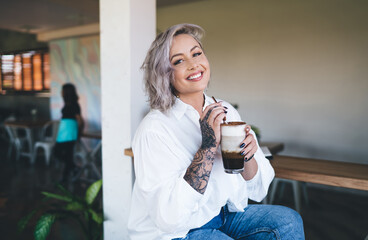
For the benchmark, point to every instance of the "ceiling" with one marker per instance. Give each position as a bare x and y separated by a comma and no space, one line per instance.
35,16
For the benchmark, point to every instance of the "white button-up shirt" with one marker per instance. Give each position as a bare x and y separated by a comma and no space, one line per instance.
164,206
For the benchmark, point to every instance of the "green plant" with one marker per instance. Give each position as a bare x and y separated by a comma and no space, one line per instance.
85,211
257,131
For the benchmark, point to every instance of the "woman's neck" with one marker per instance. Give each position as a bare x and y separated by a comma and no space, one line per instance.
195,100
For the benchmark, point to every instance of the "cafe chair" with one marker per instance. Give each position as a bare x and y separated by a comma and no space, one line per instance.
20,140
48,139
84,159
13,142
80,154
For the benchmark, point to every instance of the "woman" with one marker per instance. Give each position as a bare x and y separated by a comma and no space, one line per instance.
181,190
70,128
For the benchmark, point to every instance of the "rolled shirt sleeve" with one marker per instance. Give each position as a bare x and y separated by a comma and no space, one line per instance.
159,172
257,187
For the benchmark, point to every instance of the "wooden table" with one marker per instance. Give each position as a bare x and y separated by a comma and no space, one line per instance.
91,134
26,123
333,173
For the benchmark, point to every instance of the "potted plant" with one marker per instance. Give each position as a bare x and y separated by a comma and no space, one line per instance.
87,212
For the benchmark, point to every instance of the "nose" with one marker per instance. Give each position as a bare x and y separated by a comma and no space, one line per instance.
192,64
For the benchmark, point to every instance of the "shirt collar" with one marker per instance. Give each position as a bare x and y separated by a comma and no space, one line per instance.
180,107
207,101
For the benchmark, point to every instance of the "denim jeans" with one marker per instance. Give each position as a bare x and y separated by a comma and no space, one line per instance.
257,222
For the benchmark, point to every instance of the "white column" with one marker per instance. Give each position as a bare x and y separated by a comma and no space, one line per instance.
127,28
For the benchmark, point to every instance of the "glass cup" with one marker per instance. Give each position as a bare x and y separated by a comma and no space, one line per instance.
232,134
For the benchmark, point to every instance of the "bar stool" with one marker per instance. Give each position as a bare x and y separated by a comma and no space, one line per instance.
296,186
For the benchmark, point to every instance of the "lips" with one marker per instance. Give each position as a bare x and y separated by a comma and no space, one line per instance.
195,76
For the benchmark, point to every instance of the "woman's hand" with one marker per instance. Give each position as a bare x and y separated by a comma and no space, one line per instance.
210,121
249,145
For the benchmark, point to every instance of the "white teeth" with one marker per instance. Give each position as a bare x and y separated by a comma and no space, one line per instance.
195,76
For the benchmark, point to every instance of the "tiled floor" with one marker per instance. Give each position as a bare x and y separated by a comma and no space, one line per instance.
21,185
332,213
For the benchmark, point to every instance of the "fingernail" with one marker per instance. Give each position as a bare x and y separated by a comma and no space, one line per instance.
242,145
242,153
245,159
247,129
225,107
225,111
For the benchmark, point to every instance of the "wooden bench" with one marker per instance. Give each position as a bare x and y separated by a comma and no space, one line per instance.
333,173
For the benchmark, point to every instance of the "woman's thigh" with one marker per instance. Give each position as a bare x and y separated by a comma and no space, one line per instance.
264,222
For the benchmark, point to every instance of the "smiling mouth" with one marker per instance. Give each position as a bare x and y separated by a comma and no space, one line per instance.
195,77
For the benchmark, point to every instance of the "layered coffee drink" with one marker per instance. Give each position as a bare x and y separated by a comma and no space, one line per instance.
232,134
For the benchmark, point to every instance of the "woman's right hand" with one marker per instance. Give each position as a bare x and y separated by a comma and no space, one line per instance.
210,120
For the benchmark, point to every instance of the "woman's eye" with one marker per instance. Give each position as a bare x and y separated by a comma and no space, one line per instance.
197,54
178,61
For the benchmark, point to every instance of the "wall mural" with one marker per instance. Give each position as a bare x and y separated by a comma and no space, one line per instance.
77,60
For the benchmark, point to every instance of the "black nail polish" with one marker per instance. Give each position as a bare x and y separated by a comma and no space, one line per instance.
242,145
242,153
225,111
225,107
245,159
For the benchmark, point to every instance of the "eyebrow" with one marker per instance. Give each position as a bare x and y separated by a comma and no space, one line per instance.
178,54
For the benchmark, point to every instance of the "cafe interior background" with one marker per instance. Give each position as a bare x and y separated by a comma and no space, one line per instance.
296,69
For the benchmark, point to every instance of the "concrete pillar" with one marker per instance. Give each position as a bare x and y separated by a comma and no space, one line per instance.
127,27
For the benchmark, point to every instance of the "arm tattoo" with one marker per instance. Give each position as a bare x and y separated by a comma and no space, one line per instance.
198,172
208,135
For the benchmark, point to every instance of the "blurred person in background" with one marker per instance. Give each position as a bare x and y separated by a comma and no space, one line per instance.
70,129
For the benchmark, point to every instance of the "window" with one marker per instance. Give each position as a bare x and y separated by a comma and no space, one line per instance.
25,72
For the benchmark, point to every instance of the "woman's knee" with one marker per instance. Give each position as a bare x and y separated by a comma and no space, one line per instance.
293,217
290,223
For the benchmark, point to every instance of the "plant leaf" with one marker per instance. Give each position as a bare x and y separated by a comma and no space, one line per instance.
63,190
24,221
74,206
95,216
57,196
92,191
43,226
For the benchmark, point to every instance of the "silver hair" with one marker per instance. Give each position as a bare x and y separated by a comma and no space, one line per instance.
158,72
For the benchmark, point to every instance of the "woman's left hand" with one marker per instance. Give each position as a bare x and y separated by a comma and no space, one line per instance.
249,145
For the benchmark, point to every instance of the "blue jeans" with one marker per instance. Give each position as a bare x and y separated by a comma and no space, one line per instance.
257,222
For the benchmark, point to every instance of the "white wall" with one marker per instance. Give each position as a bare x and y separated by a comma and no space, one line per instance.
127,29
297,69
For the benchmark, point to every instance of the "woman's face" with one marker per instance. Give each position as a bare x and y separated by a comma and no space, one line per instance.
190,64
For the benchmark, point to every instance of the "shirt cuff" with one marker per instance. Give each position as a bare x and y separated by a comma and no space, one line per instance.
190,197
254,181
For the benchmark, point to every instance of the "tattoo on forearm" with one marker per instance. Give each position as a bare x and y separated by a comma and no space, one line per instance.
208,135
198,172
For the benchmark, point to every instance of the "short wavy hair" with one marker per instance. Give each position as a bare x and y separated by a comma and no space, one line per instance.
158,72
